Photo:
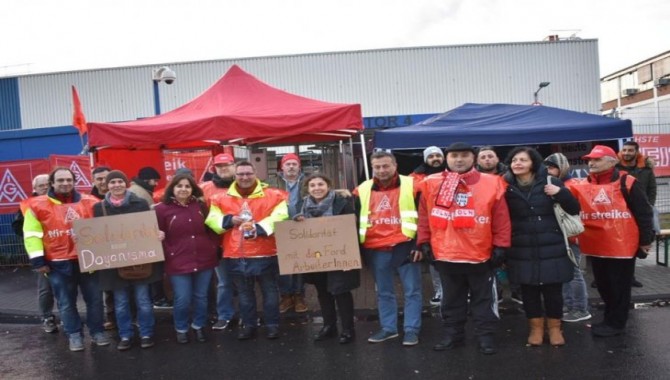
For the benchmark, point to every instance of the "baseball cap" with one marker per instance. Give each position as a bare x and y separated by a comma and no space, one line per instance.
223,159
600,151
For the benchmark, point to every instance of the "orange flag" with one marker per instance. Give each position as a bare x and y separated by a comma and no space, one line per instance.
78,119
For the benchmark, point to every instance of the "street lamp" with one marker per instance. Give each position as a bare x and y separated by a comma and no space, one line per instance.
542,85
162,74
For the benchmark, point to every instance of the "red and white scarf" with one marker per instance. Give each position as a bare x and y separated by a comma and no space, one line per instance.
455,198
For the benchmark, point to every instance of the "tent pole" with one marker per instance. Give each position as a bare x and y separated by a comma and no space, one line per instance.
365,157
353,166
344,166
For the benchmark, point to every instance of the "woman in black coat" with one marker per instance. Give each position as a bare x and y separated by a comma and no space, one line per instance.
117,201
538,259
333,288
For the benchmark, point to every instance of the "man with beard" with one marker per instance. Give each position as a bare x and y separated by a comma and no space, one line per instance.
222,178
433,162
47,235
488,161
632,161
464,226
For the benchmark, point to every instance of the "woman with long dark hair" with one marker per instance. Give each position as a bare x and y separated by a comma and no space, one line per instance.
333,288
190,253
538,259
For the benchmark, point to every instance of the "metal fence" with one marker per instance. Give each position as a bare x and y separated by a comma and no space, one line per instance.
12,252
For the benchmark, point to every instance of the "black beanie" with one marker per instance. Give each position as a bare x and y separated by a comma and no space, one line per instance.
147,173
116,174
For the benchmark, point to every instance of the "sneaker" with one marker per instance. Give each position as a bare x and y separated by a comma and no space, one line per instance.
49,325
163,303
109,325
221,325
286,303
410,339
299,303
576,316
436,301
124,344
516,297
100,339
146,342
76,342
381,336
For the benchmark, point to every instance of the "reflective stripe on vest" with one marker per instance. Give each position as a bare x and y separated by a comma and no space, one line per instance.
408,214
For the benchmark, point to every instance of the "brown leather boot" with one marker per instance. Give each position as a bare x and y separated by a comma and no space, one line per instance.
555,334
299,303
536,334
286,303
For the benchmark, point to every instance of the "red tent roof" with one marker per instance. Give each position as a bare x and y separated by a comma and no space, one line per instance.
238,109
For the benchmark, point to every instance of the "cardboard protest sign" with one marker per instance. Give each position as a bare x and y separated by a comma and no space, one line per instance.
117,241
318,245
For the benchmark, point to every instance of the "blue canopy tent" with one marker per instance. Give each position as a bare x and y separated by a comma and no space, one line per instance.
504,124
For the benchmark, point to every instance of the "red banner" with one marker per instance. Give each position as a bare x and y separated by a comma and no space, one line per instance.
656,146
198,162
16,182
80,166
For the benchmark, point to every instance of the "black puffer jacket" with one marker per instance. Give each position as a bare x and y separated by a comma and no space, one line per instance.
538,254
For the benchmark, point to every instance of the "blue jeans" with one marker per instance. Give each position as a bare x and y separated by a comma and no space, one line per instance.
145,310
245,286
224,294
575,296
291,284
410,277
65,287
190,289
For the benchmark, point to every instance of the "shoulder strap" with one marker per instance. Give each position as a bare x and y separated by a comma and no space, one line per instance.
104,209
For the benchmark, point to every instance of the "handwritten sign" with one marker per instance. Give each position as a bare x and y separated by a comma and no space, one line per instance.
117,241
318,245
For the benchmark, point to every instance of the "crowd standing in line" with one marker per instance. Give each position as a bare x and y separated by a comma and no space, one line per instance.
466,214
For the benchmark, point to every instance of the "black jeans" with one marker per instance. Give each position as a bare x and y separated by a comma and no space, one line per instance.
533,295
613,278
327,302
481,286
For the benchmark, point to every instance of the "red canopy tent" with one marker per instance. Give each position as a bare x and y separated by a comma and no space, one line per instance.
238,109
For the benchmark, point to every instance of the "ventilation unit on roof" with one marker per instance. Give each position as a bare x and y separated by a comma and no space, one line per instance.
629,91
661,82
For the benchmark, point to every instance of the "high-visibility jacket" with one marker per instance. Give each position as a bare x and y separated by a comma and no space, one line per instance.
47,228
463,245
209,189
267,205
394,219
610,229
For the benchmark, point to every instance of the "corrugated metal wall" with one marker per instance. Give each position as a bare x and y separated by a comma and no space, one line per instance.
10,109
385,82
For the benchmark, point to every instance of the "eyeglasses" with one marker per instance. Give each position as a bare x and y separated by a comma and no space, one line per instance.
244,174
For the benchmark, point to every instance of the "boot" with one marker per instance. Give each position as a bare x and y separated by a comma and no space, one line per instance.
536,334
555,334
299,303
286,303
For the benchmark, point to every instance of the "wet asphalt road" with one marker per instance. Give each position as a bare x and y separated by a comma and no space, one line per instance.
643,353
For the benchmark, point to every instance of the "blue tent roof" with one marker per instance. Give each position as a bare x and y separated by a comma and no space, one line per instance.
504,124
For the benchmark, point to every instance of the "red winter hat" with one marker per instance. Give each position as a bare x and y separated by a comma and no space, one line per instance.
223,158
600,151
288,157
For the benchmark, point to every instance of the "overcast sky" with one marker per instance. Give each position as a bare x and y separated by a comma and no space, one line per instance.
56,35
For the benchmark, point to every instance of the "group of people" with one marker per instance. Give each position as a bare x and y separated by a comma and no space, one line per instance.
462,211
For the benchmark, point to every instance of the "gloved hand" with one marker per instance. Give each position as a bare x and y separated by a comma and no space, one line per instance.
497,257
427,252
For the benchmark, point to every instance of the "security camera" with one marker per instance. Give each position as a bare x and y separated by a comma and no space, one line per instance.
168,76
164,74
